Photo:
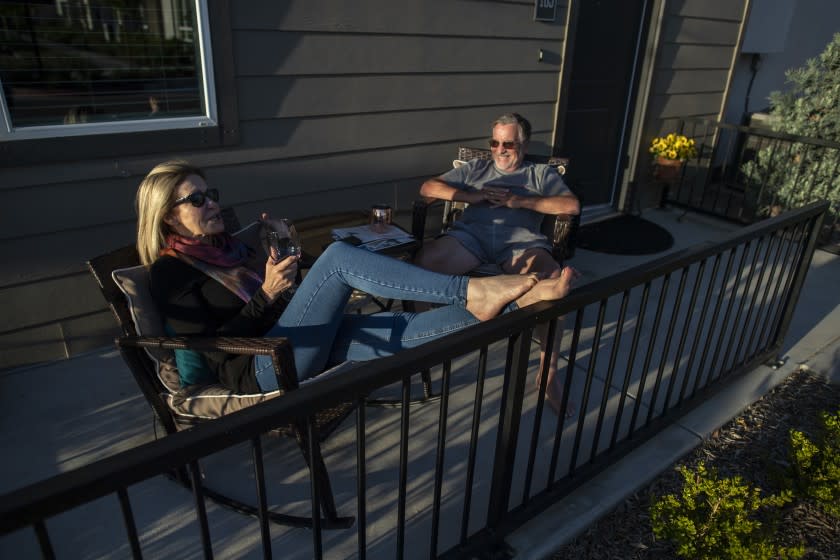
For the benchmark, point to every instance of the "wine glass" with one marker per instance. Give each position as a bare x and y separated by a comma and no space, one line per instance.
283,241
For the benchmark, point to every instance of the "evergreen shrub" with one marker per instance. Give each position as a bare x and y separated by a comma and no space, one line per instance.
793,174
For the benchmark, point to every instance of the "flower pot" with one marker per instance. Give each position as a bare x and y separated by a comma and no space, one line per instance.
667,170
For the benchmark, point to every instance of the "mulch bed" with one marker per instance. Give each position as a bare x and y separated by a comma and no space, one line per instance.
754,446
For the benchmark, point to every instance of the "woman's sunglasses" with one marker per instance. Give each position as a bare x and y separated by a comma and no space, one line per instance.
510,145
198,198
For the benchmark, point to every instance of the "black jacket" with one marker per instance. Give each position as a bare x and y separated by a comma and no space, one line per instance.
192,303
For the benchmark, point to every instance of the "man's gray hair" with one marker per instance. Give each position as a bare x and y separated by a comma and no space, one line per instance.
517,119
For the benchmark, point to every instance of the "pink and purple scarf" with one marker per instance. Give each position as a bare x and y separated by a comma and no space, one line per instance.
223,260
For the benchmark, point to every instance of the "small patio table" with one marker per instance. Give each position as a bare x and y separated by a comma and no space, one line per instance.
316,234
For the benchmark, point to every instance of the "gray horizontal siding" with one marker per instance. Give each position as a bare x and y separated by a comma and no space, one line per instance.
73,173
355,132
695,57
688,105
66,207
294,53
48,255
341,95
75,294
731,10
423,17
688,81
685,30
697,45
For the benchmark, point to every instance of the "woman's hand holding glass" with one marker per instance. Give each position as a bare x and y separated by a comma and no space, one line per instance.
281,267
280,276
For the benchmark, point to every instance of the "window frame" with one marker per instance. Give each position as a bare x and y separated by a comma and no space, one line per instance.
217,127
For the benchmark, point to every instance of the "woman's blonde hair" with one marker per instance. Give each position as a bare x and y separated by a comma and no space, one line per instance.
153,202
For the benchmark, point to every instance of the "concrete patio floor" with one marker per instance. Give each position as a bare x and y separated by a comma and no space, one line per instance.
62,415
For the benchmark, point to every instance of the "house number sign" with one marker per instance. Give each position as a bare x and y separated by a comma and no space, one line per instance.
545,10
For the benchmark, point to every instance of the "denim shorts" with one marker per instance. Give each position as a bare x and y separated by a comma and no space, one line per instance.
496,243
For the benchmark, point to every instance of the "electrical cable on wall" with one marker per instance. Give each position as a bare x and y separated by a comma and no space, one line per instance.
755,64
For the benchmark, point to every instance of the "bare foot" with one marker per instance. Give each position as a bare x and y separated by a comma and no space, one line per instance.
549,289
487,296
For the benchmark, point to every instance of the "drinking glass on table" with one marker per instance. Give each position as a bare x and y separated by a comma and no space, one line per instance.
380,217
283,241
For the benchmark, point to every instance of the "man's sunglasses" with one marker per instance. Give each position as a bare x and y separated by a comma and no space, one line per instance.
506,145
198,198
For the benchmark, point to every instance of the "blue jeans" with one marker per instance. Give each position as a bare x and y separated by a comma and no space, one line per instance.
321,334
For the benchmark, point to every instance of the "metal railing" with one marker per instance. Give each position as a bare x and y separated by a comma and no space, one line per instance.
746,173
641,348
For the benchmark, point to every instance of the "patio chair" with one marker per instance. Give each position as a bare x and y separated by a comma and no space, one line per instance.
561,230
149,355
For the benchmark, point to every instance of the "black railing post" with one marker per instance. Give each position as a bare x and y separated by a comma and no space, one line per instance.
516,369
47,551
130,525
262,495
402,493
361,478
314,484
799,279
474,431
200,509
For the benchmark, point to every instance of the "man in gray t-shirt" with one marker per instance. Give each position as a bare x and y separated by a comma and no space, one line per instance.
503,234
508,198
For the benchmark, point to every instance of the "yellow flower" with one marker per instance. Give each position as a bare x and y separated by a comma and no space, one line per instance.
673,146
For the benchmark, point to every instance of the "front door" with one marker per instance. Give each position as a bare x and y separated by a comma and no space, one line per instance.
601,86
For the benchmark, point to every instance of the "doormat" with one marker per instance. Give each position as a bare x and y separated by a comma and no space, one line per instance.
624,235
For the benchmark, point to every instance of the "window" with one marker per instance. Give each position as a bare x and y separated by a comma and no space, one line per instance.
92,67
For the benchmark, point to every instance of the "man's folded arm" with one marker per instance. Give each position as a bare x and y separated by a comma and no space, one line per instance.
437,188
566,203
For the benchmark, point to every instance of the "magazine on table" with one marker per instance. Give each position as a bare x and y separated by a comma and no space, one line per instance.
365,236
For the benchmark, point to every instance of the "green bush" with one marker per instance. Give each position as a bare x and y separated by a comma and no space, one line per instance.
815,467
794,174
720,518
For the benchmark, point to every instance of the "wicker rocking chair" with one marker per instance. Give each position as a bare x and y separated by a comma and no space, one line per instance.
149,355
